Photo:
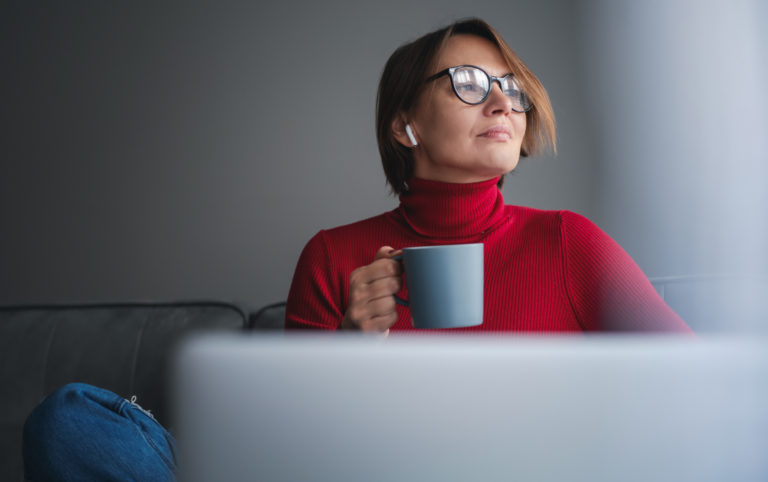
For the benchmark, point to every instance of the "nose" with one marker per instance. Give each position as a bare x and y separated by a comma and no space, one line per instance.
497,103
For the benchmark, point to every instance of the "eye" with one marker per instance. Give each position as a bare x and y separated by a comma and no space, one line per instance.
510,87
469,88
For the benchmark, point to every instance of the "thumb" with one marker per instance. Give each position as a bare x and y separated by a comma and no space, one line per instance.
386,252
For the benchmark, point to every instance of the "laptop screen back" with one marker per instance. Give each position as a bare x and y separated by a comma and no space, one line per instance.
348,408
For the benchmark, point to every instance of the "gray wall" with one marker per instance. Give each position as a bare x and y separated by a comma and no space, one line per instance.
681,124
163,152
189,151
681,121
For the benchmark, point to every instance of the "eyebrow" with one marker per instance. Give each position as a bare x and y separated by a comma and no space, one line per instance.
446,70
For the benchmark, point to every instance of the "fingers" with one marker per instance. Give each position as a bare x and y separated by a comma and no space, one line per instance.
375,324
383,252
387,252
382,307
380,269
372,305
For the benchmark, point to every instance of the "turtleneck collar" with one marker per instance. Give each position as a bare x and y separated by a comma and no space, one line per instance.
452,211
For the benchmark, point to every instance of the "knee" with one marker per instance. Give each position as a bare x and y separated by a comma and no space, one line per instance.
57,409
54,407
51,425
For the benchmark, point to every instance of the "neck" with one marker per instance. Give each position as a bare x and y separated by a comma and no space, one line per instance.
450,210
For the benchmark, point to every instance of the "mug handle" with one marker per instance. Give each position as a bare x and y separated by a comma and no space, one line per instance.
398,300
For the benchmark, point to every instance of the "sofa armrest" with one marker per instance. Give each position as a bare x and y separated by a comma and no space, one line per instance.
270,317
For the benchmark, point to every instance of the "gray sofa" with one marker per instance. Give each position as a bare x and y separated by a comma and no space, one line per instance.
124,347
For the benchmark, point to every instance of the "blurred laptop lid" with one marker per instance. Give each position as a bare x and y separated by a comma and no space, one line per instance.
351,408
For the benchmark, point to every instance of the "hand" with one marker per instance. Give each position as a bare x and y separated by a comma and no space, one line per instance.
371,289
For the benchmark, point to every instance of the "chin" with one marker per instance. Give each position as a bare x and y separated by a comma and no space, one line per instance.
504,165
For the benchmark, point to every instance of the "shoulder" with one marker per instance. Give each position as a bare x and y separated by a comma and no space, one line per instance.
550,220
584,242
556,229
577,230
562,220
352,230
351,243
362,227
575,221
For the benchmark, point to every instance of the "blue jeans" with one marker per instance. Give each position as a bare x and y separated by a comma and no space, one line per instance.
81,432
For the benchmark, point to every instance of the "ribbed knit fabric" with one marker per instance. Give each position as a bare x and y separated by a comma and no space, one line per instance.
545,271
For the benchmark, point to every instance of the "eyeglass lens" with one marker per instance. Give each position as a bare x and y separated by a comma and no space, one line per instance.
472,85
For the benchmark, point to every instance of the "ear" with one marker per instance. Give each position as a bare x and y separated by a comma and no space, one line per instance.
398,131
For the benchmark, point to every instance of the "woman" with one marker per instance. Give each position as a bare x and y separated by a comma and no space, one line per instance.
456,109
446,141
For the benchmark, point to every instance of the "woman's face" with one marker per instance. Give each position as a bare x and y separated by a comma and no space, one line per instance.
459,142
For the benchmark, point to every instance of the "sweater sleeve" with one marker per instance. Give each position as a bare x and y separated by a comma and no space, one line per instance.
607,289
314,299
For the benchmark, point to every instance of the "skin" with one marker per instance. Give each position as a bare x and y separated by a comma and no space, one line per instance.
454,142
458,143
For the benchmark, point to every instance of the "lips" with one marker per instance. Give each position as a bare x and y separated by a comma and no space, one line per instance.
498,132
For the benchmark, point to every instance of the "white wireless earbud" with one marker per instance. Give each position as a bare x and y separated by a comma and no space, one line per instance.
409,132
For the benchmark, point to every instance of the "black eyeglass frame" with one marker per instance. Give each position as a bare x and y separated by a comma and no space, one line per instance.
491,79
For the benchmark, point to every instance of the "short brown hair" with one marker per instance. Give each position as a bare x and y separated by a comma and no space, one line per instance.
403,80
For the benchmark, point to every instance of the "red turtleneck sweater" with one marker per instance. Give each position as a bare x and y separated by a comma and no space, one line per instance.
545,271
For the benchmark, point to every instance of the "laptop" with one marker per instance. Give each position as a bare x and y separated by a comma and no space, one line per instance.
449,408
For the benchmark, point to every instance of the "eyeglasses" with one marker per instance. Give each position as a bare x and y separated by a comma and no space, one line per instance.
472,85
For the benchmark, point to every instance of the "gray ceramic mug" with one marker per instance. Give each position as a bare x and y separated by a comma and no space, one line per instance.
445,285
